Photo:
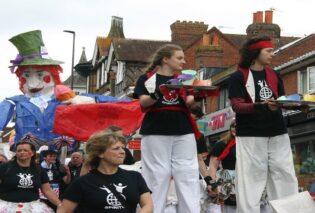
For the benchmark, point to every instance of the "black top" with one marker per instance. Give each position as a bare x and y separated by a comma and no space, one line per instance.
229,161
92,195
74,171
264,122
55,174
163,122
201,145
20,184
129,160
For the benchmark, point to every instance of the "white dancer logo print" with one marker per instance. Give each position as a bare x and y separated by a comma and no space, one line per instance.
25,180
111,199
265,92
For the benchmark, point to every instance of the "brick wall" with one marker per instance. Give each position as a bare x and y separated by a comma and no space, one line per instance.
290,82
201,54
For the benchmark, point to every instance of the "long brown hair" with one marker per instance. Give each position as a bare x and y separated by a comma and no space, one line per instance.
165,51
248,56
227,137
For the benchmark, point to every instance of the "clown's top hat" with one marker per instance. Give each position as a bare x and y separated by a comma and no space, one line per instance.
31,50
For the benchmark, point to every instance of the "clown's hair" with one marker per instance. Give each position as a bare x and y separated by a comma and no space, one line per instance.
54,70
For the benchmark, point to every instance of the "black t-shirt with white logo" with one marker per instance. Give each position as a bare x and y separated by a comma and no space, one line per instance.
92,193
163,122
264,122
21,184
54,174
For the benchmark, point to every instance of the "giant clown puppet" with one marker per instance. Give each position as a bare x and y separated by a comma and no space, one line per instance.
38,78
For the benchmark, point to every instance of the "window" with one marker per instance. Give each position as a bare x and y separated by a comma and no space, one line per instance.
311,79
104,73
98,77
306,80
223,99
120,71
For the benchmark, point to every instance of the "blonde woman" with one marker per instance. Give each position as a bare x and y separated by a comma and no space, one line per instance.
168,146
107,188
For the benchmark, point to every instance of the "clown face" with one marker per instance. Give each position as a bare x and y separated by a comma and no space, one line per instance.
37,82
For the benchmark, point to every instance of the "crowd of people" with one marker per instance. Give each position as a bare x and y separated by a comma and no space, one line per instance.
254,152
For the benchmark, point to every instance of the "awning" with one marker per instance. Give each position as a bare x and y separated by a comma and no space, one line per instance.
84,69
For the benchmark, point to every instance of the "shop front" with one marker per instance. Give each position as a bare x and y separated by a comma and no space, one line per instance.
215,124
301,129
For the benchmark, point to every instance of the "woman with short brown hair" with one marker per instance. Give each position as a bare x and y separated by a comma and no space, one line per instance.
107,188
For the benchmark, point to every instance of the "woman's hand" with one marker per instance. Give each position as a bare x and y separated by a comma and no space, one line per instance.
212,192
50,194
272,105
190,100
67,206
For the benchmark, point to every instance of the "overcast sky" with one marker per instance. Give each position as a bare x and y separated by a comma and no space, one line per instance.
144,19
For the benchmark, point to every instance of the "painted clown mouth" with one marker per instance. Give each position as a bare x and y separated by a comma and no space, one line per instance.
35,90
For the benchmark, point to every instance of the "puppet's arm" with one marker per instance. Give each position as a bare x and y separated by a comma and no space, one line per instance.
7,110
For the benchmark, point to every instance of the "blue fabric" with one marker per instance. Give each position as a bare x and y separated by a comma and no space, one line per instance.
106,99
6,109
29,118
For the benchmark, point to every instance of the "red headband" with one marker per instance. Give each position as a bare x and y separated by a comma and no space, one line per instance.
261,45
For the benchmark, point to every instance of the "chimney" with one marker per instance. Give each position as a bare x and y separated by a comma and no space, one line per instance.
259,17
184,33
254,18
116,29
268,16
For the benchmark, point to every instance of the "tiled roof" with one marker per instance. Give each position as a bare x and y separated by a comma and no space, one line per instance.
236,39
136,49
290,42
78,80
103,44
296,60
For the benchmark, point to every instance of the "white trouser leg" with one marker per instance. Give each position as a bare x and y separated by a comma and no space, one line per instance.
186,174
251,172
156,153
213,208
228,209
281,178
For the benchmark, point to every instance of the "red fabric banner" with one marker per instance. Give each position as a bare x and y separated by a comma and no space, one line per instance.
134,144
83,120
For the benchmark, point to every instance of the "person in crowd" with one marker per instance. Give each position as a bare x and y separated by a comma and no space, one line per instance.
107,188
263,152
224,153
129,160
168,145
3,158
20,181
202,149
75,165
58,175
